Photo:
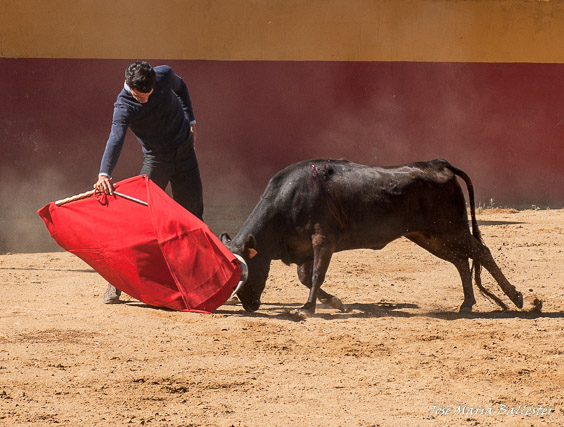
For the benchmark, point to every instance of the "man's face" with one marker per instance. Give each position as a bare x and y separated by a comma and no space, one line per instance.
141,97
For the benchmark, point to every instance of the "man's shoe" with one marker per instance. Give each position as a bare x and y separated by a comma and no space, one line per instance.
111,296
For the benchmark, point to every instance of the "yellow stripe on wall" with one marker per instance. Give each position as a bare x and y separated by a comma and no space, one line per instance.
286,30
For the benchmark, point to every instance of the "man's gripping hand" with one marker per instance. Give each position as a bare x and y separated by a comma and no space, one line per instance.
104,185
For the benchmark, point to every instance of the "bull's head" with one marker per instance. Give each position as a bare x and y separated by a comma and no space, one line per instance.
258,265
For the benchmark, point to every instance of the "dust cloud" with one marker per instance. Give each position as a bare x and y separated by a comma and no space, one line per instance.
21,229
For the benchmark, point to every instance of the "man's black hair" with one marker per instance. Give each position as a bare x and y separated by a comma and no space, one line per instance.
140,76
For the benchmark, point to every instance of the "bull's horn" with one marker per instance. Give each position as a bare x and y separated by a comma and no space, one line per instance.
244,274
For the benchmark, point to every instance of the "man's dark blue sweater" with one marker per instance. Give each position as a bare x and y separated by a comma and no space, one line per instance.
160,125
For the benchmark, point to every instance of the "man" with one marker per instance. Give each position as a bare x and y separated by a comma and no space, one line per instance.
156,106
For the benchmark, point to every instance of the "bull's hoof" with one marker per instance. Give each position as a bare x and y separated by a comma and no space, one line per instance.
465,309
335,303
519,300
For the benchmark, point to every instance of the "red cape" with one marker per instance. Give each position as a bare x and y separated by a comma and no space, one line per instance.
160,254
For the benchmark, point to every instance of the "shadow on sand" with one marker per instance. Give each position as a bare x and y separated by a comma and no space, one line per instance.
48,269
487,223
361,311
370,310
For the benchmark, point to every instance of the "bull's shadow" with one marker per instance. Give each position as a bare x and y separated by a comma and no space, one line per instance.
498,314
287,311
382,309
283,311
487,222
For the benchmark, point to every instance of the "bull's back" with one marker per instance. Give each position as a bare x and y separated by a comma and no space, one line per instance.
369,206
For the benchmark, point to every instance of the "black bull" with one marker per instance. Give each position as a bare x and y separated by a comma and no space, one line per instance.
314,208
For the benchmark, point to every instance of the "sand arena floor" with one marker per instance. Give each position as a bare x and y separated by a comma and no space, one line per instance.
401,356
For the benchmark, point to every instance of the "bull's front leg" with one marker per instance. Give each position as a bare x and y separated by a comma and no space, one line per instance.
305,271
322,252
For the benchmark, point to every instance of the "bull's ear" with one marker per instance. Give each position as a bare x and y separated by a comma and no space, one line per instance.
250,245
224,237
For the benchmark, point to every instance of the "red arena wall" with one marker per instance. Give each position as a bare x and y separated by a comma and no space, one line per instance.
273,82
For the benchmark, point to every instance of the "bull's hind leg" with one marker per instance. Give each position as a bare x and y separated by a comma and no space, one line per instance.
481,254
463,267
464,246
450,250
305,272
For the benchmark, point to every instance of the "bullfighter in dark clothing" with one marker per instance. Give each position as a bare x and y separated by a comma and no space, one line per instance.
156,106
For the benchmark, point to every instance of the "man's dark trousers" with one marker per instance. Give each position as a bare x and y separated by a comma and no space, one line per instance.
180,168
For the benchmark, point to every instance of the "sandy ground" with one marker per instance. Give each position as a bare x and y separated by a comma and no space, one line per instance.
401,355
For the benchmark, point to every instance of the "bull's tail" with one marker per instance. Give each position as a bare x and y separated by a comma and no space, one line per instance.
476,266
475,230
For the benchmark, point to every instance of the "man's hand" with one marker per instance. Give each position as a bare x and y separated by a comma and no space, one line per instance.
104,185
